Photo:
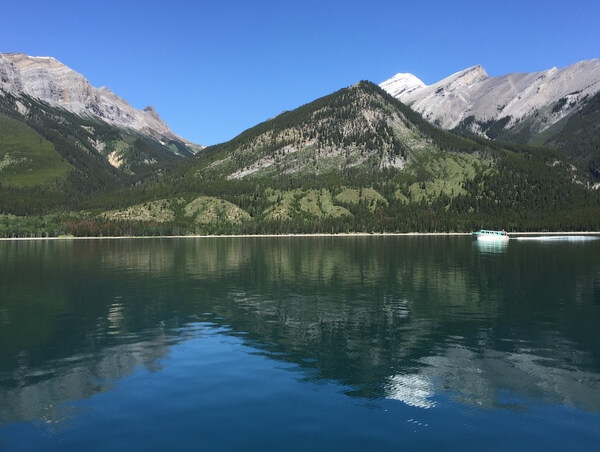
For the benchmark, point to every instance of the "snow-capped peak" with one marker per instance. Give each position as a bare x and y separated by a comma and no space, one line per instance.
518,96
402,84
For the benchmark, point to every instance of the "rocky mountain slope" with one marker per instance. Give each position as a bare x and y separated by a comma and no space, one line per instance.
48,80
515,106
61,136
355,160
360,128
359,159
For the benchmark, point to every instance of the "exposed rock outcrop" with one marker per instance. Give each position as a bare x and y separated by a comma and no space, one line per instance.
543,98
47,79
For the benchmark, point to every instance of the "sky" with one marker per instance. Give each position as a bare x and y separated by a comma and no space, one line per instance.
215,68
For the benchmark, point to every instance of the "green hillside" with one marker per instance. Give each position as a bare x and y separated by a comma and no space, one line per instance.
52,160
26,158
357,127
356,160
579,137
359,160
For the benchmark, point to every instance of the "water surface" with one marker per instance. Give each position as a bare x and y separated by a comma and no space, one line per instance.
294,343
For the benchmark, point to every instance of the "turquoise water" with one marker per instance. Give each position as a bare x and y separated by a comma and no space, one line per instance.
347,343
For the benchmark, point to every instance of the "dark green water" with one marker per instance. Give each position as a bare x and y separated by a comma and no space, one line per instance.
366,343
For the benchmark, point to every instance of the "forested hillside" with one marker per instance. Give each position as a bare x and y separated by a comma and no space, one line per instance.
579,138
51,159
576,136
356,160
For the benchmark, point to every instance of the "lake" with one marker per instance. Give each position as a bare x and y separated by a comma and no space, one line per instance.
299,343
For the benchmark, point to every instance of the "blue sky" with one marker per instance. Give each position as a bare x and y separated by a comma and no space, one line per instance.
213,69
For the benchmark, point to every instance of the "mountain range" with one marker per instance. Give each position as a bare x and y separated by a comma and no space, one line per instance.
517,107
408,157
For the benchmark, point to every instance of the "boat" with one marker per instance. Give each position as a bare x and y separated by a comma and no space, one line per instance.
487,235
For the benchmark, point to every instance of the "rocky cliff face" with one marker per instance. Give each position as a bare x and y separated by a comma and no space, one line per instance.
50,81
473,100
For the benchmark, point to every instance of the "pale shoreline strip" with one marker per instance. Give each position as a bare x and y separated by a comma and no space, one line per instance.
351,234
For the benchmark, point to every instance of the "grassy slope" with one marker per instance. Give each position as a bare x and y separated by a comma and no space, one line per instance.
26,158
207,210
311,203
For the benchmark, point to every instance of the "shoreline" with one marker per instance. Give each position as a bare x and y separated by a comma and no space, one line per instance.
350,234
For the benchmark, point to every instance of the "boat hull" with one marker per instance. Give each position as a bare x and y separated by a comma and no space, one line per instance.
490,238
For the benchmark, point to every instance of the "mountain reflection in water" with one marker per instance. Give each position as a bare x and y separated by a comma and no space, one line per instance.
399,318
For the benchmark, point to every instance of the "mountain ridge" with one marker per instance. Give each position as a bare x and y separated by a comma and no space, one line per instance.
471,98
49,80
357,159
358,127
60,133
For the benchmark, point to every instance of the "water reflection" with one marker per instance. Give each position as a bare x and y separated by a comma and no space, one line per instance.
414,390
38,393
389,318
491,247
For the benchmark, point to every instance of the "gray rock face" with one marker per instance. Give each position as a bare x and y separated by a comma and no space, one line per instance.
543,98
49,80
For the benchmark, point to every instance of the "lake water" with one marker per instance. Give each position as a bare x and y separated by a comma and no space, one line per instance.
347,343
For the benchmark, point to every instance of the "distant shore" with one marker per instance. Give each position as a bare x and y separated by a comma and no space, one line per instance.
350,234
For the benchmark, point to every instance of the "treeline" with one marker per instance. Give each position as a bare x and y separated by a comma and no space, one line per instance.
517,197
520,195
75,138
416,218
518,188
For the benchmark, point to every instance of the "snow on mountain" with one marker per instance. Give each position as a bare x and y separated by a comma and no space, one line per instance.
546,96
47,79
402,84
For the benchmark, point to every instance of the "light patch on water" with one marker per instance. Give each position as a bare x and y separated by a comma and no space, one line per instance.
414,390
491,247
115,317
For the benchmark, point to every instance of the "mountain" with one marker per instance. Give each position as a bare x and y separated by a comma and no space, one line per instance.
515,107
48,80
56,129
401,85
355,160
578,136
356,129
62,140
359,159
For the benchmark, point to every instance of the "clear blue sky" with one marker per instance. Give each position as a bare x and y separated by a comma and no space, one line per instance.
213,69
